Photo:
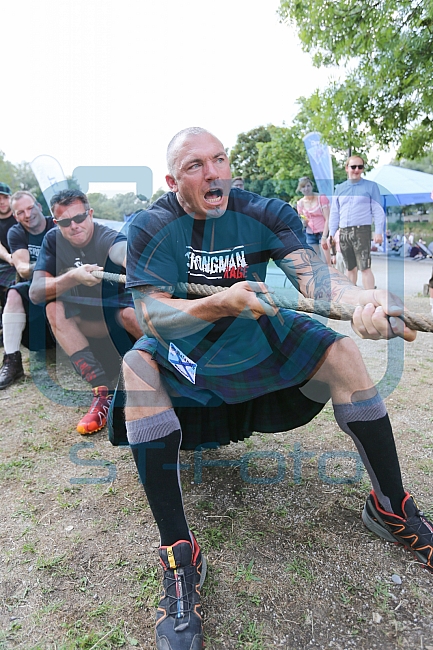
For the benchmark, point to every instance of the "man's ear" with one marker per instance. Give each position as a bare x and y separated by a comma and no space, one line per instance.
171,182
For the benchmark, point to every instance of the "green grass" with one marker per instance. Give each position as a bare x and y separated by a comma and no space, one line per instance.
211,584
101,610
381,595
79,638
299,569
27,511
204,505
149,587
53,565
426,466
9,635
52,607
12,469
214,537
245,573
251,637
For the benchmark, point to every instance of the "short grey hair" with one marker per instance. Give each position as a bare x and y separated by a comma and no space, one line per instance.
172,145
20,195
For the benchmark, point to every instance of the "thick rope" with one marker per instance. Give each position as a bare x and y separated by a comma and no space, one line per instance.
333,310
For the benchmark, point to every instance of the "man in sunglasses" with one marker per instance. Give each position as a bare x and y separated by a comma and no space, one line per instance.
82,309
355,205
23,322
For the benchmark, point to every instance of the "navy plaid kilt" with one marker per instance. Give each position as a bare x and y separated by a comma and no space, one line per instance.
266,398
8,275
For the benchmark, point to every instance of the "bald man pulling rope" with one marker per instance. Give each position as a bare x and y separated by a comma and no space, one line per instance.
213,369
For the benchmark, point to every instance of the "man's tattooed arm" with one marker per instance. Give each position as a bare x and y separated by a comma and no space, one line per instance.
314,279
377,310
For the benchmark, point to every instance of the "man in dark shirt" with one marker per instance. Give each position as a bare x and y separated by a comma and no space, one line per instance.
81,307
7,220
216,368
22,322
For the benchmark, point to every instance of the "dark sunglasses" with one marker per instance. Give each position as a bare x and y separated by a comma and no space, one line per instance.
356,166
79,218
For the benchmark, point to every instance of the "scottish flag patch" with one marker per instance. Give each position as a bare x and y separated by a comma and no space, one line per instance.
182,363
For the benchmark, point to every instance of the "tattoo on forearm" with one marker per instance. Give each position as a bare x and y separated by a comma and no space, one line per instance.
314,279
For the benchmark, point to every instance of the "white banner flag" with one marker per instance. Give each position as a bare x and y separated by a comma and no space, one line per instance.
50,176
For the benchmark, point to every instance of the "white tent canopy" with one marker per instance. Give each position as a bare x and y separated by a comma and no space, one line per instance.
402,186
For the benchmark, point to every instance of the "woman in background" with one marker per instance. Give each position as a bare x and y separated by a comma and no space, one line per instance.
314,208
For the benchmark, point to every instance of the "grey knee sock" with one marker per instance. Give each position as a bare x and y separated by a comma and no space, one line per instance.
152,427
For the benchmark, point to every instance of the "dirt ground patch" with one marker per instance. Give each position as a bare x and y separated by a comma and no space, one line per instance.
290,563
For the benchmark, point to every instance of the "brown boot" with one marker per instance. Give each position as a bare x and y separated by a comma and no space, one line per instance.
12,369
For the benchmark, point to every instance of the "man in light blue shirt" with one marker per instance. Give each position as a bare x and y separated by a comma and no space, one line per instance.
355,205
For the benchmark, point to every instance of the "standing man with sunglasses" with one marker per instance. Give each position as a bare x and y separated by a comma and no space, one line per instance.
355,205
23,322
81,308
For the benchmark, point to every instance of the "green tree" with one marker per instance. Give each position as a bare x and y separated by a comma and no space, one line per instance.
284,159
424,164
103,207
73,184
244,161
245,153
275,159
335,113
159,192
126,204
386,46
24,179
7,172
116,207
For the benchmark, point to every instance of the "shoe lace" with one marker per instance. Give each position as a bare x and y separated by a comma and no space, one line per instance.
179,590
100,404
418,522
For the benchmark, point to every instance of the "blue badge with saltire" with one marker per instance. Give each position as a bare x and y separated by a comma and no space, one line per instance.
182,363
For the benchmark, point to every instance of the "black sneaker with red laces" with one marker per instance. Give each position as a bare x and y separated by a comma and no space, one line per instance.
413,531
179,616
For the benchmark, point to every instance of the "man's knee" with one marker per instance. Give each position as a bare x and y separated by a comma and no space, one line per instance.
139,365
14,302
145,393
345,352
128,320
126,317
343,362
55,311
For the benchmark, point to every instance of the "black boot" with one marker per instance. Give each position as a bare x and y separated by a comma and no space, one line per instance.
12,369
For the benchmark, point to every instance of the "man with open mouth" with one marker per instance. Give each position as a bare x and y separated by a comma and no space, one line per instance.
211,370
